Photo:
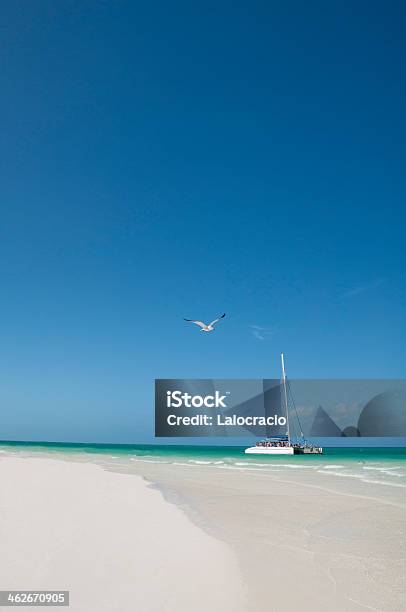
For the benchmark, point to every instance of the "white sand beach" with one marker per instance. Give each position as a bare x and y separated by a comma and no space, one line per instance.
109,539
201,538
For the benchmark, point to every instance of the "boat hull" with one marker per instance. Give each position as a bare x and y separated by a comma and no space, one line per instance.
269,450
280,450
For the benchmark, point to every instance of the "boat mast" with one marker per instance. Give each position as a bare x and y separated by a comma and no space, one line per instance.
285,395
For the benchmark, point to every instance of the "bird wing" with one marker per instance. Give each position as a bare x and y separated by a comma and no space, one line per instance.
199,323
217,320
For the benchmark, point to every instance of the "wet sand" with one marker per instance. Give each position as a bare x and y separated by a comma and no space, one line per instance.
304,541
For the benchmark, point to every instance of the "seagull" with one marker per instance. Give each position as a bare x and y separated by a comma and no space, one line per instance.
204,327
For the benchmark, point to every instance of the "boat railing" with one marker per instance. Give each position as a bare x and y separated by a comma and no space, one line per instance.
267,444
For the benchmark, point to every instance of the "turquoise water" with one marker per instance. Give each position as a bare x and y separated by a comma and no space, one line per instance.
380,466
209,452
212,453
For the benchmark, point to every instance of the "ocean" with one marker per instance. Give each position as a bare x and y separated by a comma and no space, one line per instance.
378,466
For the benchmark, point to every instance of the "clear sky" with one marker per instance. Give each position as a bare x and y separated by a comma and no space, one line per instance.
166,160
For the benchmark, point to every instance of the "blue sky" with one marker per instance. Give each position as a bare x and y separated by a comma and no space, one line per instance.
168,160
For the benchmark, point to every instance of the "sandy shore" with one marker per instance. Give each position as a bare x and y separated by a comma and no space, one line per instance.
304,541
224,540
110,539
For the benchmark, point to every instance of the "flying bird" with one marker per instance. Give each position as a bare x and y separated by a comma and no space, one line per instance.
204,327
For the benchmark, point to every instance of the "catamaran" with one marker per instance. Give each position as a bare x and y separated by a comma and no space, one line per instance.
282,444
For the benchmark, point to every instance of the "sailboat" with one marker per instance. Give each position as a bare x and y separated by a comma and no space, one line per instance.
283,445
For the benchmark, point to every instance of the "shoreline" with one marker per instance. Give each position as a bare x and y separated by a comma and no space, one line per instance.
328,549
329,543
